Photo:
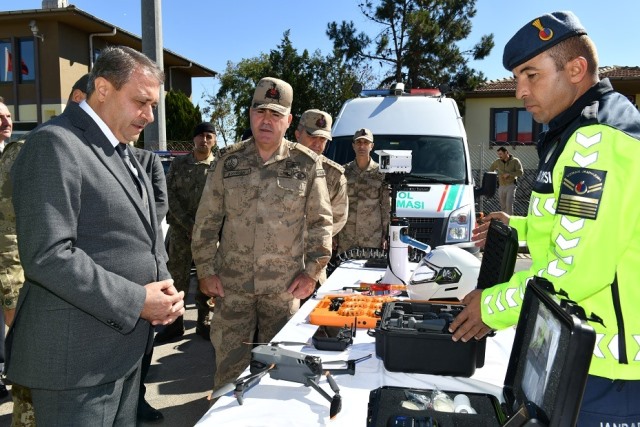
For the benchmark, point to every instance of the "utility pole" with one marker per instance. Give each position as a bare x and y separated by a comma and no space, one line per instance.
155,134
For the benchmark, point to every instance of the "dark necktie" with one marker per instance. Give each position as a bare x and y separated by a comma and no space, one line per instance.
133,172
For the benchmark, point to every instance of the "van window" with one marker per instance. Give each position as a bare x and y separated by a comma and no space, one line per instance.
440,159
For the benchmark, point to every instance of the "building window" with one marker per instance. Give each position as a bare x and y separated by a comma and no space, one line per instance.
6,66
23,66
513,126
27,60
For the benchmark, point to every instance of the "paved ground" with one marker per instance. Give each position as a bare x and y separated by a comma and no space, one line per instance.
181,373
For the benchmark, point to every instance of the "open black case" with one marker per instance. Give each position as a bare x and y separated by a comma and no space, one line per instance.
545,378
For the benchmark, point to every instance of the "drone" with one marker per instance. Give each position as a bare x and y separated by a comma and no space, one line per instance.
288,365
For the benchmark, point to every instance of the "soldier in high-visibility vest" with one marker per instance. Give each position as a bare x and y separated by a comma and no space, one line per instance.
583,224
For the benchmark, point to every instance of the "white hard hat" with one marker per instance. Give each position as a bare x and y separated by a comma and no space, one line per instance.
447,272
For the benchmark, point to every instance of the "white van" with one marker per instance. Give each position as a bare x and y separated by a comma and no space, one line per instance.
438,198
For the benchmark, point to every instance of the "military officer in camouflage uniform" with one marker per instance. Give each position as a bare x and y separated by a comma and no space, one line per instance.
268,191
12,277
369,199
314,130
185,182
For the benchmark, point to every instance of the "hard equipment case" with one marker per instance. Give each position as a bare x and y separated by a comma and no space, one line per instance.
545,378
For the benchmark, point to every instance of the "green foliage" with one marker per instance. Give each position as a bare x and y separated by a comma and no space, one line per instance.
182,116
418,42
317,81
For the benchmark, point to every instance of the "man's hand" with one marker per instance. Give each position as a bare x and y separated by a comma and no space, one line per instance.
163,304
480,232
302,286
211,286
468,323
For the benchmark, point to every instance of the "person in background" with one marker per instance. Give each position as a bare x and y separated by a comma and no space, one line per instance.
314,130
583,225
99,270
269,192
369,199
509,170
12,276
185,180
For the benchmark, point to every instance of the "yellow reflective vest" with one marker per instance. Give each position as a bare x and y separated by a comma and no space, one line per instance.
583,227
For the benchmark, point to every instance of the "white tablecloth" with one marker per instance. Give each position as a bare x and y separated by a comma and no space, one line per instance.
281,403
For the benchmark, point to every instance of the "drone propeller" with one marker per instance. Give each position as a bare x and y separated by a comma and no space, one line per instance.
225,389
277,343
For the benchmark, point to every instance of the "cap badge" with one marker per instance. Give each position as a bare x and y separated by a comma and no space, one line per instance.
273,93
545,34
321,123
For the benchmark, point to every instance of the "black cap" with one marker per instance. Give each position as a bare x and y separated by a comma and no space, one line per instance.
539,35
204,127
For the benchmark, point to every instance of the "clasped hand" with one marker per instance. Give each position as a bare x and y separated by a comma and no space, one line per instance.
163,304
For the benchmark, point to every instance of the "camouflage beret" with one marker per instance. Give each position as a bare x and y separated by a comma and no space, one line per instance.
539,35
317,123
273,94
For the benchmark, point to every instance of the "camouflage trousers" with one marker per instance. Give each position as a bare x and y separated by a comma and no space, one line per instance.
234,322
179,264
23,415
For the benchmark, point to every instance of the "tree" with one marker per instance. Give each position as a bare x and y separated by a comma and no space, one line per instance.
418,41
322,82
182,116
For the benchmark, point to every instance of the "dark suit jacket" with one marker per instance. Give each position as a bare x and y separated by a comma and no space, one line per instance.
87,250
152,166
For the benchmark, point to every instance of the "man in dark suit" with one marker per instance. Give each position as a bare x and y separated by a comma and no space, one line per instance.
92,252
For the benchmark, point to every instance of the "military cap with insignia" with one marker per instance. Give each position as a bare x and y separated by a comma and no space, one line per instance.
273,94
363,133
539,35
317,123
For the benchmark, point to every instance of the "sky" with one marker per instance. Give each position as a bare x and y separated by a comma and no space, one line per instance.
213,32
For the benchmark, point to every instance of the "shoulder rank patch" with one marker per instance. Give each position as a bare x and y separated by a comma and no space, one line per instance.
581,192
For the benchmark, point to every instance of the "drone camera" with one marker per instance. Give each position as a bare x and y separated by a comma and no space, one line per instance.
394,161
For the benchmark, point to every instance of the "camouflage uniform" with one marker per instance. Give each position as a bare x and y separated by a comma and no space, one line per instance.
266,207
11,273
369,206
337,186
185,182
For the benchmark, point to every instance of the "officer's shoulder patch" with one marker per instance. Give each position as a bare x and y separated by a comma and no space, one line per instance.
580,192
303,149
332,164
234,148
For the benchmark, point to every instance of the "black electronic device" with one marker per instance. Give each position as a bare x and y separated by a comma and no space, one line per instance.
499,256
333,338
545,378
414,337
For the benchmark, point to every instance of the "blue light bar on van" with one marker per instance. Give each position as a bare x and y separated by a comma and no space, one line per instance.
375,92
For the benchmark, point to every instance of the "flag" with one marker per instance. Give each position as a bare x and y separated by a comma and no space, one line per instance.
8,67
8,64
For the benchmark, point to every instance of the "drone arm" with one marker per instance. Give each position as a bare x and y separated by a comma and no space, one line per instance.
311,382
245,383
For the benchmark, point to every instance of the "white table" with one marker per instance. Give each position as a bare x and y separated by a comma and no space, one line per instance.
281,403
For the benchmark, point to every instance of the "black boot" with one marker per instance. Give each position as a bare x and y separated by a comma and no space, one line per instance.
203,326
171,332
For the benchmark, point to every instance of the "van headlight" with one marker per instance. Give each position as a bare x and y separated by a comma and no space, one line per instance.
459,226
